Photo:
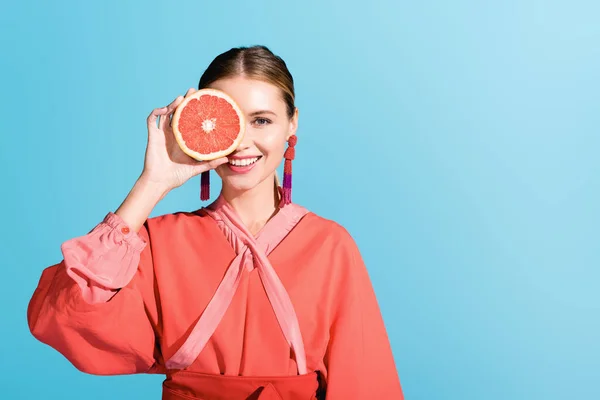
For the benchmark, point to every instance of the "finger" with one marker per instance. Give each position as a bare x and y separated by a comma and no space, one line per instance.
170,109
154,115
173,106
219,161
208,165
190,91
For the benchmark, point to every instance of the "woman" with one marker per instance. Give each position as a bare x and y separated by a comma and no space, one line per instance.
252,297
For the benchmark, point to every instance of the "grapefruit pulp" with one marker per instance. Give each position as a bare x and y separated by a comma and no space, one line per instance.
208,124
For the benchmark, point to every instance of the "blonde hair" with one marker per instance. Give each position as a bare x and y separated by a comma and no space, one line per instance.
255,62
277,182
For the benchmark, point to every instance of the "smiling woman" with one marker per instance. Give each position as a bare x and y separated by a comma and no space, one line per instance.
250,297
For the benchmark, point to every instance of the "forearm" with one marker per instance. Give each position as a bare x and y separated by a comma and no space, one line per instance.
140,202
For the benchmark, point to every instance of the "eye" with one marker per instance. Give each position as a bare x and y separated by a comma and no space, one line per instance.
265,121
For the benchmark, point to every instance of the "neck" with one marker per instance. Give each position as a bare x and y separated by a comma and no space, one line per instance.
255,206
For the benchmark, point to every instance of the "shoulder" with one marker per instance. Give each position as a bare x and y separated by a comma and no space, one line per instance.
336,249
179,221
324,224
328,231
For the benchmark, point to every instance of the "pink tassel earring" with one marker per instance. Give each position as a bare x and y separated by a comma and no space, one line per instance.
289,155
205,185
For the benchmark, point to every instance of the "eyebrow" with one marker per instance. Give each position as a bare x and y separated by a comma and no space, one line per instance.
253,113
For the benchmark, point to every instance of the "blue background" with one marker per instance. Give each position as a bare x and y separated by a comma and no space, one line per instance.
457,141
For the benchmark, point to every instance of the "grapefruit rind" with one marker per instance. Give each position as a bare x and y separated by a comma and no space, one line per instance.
218,154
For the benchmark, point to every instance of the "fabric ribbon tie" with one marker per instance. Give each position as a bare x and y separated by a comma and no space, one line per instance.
251,253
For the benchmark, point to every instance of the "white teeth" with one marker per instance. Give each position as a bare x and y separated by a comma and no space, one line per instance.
244,162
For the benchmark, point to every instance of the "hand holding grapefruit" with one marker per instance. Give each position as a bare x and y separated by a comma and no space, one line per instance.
165,162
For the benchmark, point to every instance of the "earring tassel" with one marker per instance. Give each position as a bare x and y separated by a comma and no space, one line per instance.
287,182
205,186
289,155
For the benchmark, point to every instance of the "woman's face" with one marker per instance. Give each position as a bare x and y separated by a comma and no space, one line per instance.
267,131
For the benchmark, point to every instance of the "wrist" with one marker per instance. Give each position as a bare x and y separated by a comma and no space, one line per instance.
140,202
151,188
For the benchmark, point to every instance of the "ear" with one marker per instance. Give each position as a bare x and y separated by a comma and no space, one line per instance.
293,124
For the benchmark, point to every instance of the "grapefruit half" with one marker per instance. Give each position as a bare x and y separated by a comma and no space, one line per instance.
208,124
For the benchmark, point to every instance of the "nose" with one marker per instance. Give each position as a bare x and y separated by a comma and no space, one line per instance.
247,140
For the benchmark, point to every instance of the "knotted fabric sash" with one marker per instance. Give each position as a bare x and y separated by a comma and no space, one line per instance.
251,253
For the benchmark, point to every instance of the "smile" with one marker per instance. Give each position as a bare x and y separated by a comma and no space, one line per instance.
242,165
244,162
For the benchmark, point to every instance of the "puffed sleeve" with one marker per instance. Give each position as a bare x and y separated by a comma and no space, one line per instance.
97,306
359,359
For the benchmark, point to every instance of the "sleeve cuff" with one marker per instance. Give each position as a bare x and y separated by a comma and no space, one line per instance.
124,232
